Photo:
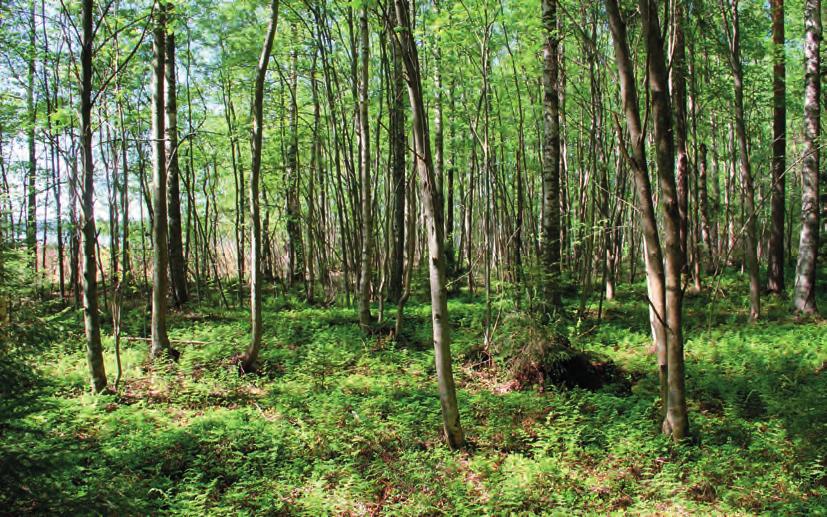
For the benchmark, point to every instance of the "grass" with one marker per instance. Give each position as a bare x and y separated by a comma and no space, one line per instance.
337,422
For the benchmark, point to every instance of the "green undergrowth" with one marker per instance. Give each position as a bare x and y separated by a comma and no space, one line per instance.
339,422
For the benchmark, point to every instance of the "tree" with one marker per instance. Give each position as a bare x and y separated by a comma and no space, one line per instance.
732,29
655,276
551,160
294,234
704,208
91,318
676,422
160,281
397,158
31,177
249,358
663,269
677,80
551,178
434,228
775,270
364,171
177,265
804,299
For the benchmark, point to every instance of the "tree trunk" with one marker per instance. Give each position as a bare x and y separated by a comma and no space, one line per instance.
398,152
637,161
729,200
715,201
703,201
31,171
518,173
775,270
410,244
294,234
160,285
238,177
91,319
315,167
488,194
177,266
804,296
678,83
468,222
54,143
750,239
551,161
676,423
434,228
364,171
76,225
249,359
124,199
7,218
450,254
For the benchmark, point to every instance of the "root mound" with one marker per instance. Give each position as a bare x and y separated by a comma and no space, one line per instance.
534,354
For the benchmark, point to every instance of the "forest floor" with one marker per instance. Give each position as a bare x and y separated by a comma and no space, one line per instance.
337,422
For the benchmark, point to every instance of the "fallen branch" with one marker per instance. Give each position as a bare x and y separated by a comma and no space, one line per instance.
181,341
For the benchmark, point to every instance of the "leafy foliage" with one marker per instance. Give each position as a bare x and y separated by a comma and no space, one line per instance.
336,422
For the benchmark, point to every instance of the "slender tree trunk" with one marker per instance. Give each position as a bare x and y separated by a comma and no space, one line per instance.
678,84
434,228
31,171
294,234
519,164
439,134
320,16
76,225
410,243
315,166
364,170
160,281
715,202
729,200
551,161
439,143
8,215
112,183
177,265
730,13
651,241
609,256
238,177
676,422
450,254
804,296
703,201
398,152
124,199
51,104
487,164
695,227
775,270
91,318
565,199
249,358
468,222
122,189
45,231
192,212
